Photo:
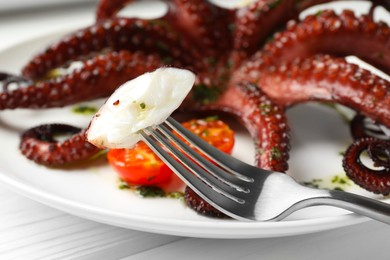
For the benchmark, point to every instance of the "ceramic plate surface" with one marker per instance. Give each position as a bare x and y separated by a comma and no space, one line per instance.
90,190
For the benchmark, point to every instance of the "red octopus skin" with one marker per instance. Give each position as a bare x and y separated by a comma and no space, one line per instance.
273,51
362,126
267,125
279,83
265,121
287,72
324,78
248,35
271,15
205,24
328,33
98,78
376,142
269,76
315,34
50,152
304,4
118,34
318,78
357,127
195,202
202,21
377,181
109,8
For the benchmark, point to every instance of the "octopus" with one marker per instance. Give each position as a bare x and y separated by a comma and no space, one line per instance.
253,62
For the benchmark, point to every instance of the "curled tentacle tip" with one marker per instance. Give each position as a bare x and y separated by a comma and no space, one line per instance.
377,178
41,145
379,152
362,127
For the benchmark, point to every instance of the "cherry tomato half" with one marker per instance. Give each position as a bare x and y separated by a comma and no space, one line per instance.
213,131
140,166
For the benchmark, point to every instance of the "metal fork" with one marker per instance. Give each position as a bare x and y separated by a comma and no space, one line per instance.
240,190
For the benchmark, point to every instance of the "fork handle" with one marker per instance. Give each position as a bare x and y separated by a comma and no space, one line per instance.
361,205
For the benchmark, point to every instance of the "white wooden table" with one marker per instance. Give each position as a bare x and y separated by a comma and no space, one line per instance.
30,230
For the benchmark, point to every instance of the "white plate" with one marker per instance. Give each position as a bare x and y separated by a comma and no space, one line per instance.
91,191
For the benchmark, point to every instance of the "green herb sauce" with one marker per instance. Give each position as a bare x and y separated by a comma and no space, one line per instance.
150,191
162,46
231,26
319,13
175,195
276,154
122,185
265,108
212,61
211,118
142,105
205,94
98,155
167,60
229,64
84,110
54,73
336,182
274,4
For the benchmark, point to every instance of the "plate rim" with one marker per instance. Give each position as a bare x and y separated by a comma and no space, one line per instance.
190,228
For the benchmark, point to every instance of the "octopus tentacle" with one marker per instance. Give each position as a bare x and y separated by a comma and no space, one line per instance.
7,79
195,202
267,125
38,144
247,33
337,35
98,77
324,78
375,3
375,180
202,22
379,152
265,121
109,8
117,34
271,15
329,33
304,4
362,127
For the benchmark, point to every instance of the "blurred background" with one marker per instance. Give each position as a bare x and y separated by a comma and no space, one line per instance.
22,19
6,5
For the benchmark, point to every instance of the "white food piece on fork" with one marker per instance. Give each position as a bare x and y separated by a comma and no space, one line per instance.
145,101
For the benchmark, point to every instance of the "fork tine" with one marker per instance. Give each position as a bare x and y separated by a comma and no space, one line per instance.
267,201
216,171
225,161
213,182
217,200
